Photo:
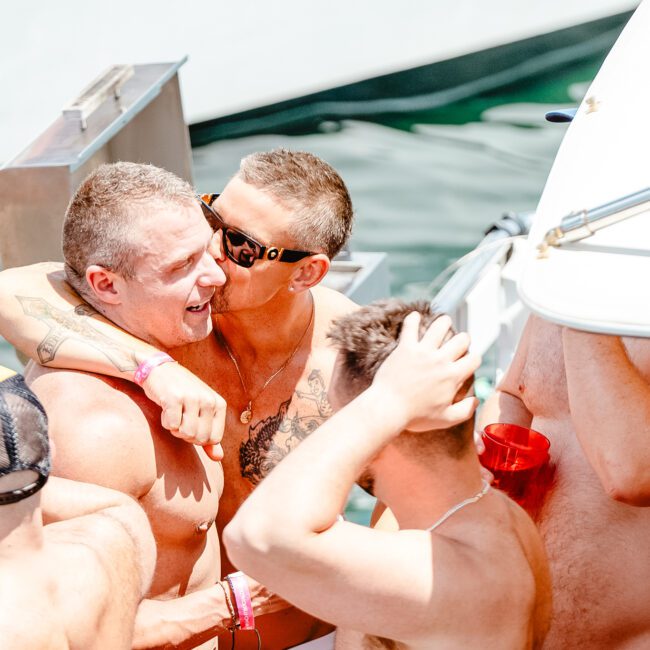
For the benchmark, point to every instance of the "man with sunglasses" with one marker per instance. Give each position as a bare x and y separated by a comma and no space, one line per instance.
138,248
278,222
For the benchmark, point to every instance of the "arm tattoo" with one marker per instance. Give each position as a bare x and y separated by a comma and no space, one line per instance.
272,438
65,326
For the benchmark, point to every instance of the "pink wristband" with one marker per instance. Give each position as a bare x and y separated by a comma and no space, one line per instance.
145,368
239,587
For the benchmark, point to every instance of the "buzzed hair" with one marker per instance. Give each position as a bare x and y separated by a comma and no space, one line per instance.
365,337
98,225
312,189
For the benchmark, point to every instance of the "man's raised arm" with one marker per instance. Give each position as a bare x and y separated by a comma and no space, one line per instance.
45,319
287,534
609,396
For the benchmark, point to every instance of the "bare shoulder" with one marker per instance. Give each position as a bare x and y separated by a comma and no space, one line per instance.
101,429
98,579
25,597
520,558
332,304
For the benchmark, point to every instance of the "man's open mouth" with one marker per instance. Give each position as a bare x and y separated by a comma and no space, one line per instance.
196,309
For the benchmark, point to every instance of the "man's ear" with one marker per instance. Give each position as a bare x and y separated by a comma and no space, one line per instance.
102,283
310,272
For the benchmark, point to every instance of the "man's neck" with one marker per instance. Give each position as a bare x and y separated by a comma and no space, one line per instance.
419,492
274,328
21,528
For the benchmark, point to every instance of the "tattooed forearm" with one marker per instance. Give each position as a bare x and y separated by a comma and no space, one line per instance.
65,326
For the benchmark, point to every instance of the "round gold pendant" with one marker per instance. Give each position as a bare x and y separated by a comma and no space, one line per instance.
245,416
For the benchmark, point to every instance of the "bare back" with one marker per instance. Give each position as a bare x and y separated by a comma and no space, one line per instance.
596,545
106,432
491,585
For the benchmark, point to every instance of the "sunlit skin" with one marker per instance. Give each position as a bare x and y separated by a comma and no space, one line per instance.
262,217
268,308
167,303
555,383
262,311
114,437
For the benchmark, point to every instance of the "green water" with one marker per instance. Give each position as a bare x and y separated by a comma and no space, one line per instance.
425,185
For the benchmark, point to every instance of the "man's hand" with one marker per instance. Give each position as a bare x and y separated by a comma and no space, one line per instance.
191,410
424,376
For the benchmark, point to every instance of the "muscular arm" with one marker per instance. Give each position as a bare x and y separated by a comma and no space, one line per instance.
290,538
43,317
64,499
105,558
609,396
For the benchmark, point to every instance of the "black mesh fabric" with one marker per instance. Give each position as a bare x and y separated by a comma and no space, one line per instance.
24,444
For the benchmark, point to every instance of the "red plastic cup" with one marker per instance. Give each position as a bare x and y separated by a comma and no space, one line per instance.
518,458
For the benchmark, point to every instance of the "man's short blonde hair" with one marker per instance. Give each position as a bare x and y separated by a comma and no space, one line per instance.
311,189
100,219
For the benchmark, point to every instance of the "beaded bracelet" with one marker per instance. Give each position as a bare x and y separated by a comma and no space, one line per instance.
231,609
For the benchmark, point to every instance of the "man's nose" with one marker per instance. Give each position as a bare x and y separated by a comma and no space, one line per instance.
212,274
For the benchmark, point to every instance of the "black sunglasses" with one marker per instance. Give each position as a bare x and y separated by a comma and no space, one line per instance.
241,248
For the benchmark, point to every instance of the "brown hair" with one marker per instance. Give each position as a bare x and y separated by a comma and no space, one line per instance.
365,337
98,225
309,187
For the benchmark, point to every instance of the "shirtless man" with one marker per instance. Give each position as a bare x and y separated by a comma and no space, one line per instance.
136,245
75,583
467,568
590,395
270,350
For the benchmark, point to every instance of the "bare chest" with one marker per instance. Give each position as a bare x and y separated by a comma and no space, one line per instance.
542,383
282,415
183,501
597,566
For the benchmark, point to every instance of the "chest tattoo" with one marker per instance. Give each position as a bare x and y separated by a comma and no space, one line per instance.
272,438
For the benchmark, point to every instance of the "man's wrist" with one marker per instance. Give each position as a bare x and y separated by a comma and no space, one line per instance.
145,367
232,623
387,406
242,600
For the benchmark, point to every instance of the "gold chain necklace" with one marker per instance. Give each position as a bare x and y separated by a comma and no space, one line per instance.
247,413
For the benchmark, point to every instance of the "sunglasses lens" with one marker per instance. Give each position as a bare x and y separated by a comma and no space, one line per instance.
240,249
